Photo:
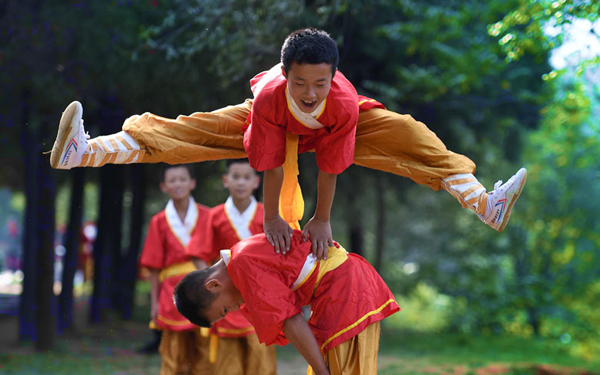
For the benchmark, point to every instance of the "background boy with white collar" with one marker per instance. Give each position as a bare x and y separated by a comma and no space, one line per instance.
182,349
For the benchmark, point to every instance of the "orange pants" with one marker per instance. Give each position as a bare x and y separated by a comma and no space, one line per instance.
245,356
385,140
184,353
356,356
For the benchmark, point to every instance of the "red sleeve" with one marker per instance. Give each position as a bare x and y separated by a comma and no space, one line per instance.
153,254
268,300
202,242
264,141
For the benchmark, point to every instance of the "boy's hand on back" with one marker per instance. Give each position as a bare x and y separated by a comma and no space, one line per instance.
319,233
278,233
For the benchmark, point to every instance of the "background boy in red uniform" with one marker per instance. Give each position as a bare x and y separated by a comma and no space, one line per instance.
348,300
303,102
182,349
238,351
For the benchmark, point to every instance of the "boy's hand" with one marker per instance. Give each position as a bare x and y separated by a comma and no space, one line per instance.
319,233
279,234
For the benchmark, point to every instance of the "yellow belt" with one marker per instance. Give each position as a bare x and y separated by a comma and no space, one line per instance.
173,270
291,203
335,257
176,269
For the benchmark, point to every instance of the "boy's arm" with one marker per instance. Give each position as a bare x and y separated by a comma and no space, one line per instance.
296,330
277,231
154,289
318,228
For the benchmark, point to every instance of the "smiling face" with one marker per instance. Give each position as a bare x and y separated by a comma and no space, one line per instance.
178,183
309,84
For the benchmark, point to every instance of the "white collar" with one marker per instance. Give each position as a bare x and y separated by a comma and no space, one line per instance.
240,221
226,256
182,229
307,119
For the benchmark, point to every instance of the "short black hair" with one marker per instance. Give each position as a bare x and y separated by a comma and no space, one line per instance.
191,297
310,46
166,167
231,162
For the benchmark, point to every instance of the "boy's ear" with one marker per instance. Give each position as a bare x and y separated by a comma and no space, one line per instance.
256,182
225,181
193,183
163,188
283,71
213,285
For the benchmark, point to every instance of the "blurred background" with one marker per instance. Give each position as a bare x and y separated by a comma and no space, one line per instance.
509,83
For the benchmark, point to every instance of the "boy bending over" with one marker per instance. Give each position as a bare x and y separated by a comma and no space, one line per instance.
347,296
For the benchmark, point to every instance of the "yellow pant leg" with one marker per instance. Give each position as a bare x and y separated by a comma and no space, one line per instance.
357,356
184,353
261,358
187,139
245,356
173,353
399,144
198,354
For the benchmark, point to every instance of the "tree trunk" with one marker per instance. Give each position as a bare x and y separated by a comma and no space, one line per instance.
381,213
356,218
107,250
129,266
72,241
28,300
46,313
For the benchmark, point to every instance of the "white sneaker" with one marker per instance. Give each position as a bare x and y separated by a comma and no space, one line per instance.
502,199
71,140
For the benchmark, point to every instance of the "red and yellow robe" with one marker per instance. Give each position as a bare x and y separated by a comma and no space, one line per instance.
164,250
345,292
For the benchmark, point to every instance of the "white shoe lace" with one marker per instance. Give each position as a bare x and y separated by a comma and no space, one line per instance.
83,135
497,185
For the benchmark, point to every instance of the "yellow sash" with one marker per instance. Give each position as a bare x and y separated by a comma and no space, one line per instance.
291,203
176,269
335,257
173,270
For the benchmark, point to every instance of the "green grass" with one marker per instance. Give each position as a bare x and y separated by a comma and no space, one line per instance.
111,349
105,349
404,353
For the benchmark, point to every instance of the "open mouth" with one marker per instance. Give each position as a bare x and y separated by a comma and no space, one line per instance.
309,104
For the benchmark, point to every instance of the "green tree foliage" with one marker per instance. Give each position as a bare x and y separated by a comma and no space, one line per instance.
523,31
561,219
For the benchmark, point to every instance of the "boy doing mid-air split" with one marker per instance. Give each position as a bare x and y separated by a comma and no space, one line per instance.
347,296
302,104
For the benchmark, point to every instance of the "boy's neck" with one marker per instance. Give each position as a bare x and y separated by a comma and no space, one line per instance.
241,204
181,206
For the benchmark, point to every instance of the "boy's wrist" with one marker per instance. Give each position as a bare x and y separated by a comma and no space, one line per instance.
321,216
271,216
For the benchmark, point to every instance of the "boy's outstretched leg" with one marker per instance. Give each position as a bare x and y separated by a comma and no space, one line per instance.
149,138
493,208
74,148
399,144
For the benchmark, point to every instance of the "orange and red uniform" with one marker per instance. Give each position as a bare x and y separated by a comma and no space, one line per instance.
182,349
345,293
